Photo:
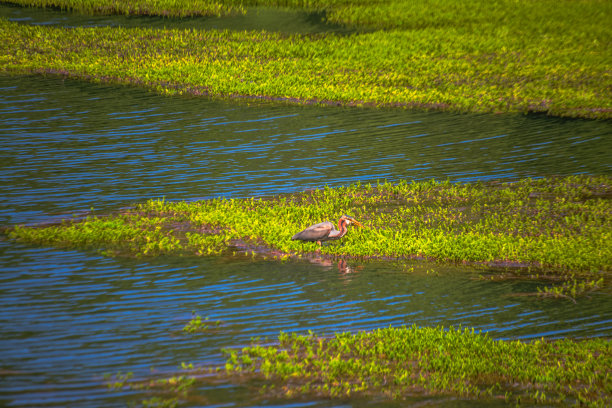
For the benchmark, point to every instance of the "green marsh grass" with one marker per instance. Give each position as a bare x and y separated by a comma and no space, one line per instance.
479,56
396,362
164,8
559,227
197,325
399,363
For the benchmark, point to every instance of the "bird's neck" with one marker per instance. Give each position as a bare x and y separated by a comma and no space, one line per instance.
342,227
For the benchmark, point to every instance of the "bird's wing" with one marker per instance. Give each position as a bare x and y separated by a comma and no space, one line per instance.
314,232
335,234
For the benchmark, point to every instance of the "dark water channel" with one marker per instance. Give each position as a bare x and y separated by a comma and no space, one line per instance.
256,18
69,317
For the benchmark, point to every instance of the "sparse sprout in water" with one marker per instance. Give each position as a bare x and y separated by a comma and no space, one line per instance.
197,325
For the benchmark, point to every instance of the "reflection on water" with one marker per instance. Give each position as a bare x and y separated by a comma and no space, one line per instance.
68,317
67,146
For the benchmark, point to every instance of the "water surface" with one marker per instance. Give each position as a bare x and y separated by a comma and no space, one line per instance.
68,317
67,146
257,18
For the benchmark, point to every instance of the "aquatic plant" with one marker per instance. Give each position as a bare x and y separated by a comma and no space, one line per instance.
571,289
502,56
197,325
398,363
169,392
112,235
556,226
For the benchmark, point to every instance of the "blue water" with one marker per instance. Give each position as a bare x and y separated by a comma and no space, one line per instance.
69,317
68,146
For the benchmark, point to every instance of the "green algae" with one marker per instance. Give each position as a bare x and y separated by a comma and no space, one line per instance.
504,56
556,227
400,363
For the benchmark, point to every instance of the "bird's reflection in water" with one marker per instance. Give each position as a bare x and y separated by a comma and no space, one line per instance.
344,268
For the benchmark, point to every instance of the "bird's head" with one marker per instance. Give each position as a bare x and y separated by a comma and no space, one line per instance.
350,220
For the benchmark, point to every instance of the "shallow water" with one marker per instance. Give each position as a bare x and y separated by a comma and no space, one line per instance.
69,317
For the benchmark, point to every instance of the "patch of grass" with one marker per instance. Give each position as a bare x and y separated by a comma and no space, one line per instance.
398,363
114,235
164,8
558,226
479,56
197,325
395,362
559,223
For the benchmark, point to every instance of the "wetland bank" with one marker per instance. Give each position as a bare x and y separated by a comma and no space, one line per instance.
514,245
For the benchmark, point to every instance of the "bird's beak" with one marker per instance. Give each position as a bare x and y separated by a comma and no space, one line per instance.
357,223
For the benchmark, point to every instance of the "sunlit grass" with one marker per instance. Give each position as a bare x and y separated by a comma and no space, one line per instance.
399,363
558,226
165,8
500,56
197,325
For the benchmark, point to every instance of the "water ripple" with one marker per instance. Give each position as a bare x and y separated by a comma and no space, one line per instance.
68,317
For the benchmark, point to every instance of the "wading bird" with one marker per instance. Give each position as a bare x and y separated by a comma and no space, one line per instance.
325,231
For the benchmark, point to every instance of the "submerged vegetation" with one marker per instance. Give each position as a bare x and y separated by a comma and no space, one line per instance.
556,226
399,363
482,56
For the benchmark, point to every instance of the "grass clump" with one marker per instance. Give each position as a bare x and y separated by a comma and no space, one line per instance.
478,56
114,235
561,223
164,8
197,325
558,226
400,363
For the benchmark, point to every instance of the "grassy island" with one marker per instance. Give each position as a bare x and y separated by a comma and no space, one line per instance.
547,56
396,362
558,226
403,363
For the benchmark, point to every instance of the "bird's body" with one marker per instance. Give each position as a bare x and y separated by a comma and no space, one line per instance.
325,231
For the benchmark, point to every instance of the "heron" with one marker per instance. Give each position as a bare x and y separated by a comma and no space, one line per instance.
325,231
